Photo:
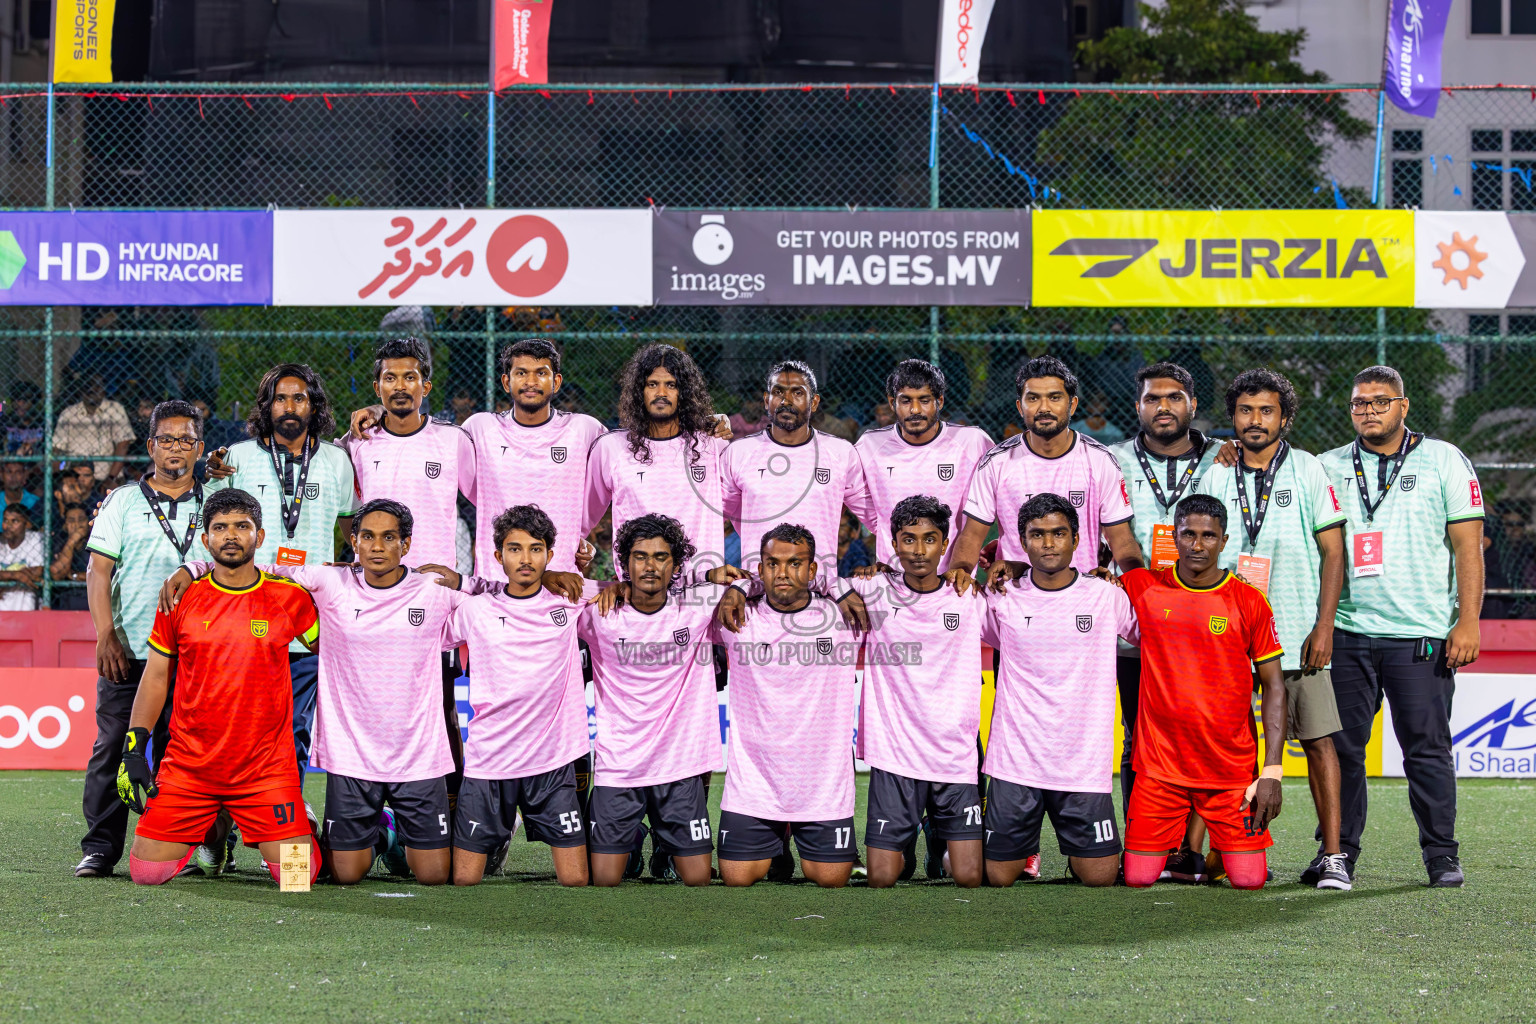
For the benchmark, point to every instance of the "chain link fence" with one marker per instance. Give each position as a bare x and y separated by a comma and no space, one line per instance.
857,146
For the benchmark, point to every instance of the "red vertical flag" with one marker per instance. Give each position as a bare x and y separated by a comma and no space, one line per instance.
519,42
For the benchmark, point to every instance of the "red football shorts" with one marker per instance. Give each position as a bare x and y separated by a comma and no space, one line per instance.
176,815
1159,812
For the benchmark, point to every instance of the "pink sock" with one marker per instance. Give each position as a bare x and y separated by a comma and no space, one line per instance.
155,872
1142,869
1246,870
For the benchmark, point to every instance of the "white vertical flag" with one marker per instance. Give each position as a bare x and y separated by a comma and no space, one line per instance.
962,27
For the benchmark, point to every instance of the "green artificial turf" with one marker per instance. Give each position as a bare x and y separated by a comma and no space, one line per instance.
521,948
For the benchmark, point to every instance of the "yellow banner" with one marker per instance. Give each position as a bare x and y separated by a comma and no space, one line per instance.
1223,258
82,40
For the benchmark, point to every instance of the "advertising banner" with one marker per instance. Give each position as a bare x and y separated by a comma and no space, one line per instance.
462,257
47,717
1410,65
962,30
520,42
1493,728
1465,260
874,258
82,40
98,258
1224,258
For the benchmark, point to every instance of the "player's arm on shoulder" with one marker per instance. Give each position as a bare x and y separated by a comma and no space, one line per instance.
1123,545
851,603
568,585
446,575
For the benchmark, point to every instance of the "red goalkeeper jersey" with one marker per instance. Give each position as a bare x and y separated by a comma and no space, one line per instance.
232,710
1194,720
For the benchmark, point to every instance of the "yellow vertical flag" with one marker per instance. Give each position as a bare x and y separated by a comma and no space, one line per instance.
82,40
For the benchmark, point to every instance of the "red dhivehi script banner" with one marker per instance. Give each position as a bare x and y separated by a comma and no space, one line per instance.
520,42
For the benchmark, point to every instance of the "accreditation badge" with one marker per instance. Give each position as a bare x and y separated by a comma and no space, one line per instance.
291,556
1165,553
1255,570
1369,559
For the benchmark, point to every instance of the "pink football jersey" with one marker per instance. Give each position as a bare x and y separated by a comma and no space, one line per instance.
379,699
791,703
1087,475
767,483
895,469
426,471
673,482
658,719
922,680
545,466
1053,720
525,686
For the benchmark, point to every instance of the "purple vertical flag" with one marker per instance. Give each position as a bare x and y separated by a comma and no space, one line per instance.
1411,64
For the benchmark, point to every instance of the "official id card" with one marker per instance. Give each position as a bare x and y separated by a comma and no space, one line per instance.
1255,569
291,556
1165,553
1369,559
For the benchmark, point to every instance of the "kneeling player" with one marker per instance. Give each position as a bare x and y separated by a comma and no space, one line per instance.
1052,736
1204,635
654,677
530,711
789,765
922,702
231,742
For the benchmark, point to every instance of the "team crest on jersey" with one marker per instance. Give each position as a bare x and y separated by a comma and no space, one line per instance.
1407,482
1084,623
311,492
434,470
557,455
1076,498
823,645
417,616
1283,498
1218,625
697,472
557,615
951,621
946,471
680,637
823,475
258,628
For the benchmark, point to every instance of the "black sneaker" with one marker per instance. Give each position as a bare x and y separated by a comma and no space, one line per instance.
1187,866
231,844
496,863
1445,873
637,856
782,867
661,865
93,865
1334,873
933,859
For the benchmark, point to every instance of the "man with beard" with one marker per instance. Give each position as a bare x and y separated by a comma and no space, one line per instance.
305,486
917,454
231,748
791,472
1409,614
1048,458
1163,462
1291,546
141,534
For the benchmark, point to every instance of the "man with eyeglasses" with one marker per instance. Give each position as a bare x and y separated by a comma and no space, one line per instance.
1408,616
141,535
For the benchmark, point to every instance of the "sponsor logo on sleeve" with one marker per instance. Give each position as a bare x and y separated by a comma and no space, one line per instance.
1333,496
1477,494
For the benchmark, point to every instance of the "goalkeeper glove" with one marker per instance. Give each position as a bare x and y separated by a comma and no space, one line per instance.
134,779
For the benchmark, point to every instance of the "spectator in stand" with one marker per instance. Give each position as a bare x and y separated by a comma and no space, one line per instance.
827,422
852,552
141,409
77,486
1509,555
22,418
217,433
750,418
1096,424
21,561
95,425
462,404
884,417
14,476
70,558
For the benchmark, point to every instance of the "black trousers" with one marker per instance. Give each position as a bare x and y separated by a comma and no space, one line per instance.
1365,669
106,816
1128,678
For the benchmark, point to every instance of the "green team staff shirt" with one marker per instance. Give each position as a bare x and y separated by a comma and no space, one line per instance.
1302,503
1415,596
127,532
330,494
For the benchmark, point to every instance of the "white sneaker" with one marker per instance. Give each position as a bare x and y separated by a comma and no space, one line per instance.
1333,872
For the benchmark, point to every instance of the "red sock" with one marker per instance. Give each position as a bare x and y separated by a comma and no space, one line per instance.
1142,869
155,872
1247,870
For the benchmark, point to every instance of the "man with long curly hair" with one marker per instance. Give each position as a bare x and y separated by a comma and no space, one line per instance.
304,484
664,457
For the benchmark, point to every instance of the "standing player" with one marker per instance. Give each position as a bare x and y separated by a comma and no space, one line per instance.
1203,631
376,724
1408,618
530,712
1164,461
1056,631
665,455
922,702
1048,458
790,471
231,742
1291,547
658,732
792,699
305,486
917,454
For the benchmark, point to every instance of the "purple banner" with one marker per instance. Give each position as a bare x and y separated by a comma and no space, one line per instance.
63,258
1411,65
